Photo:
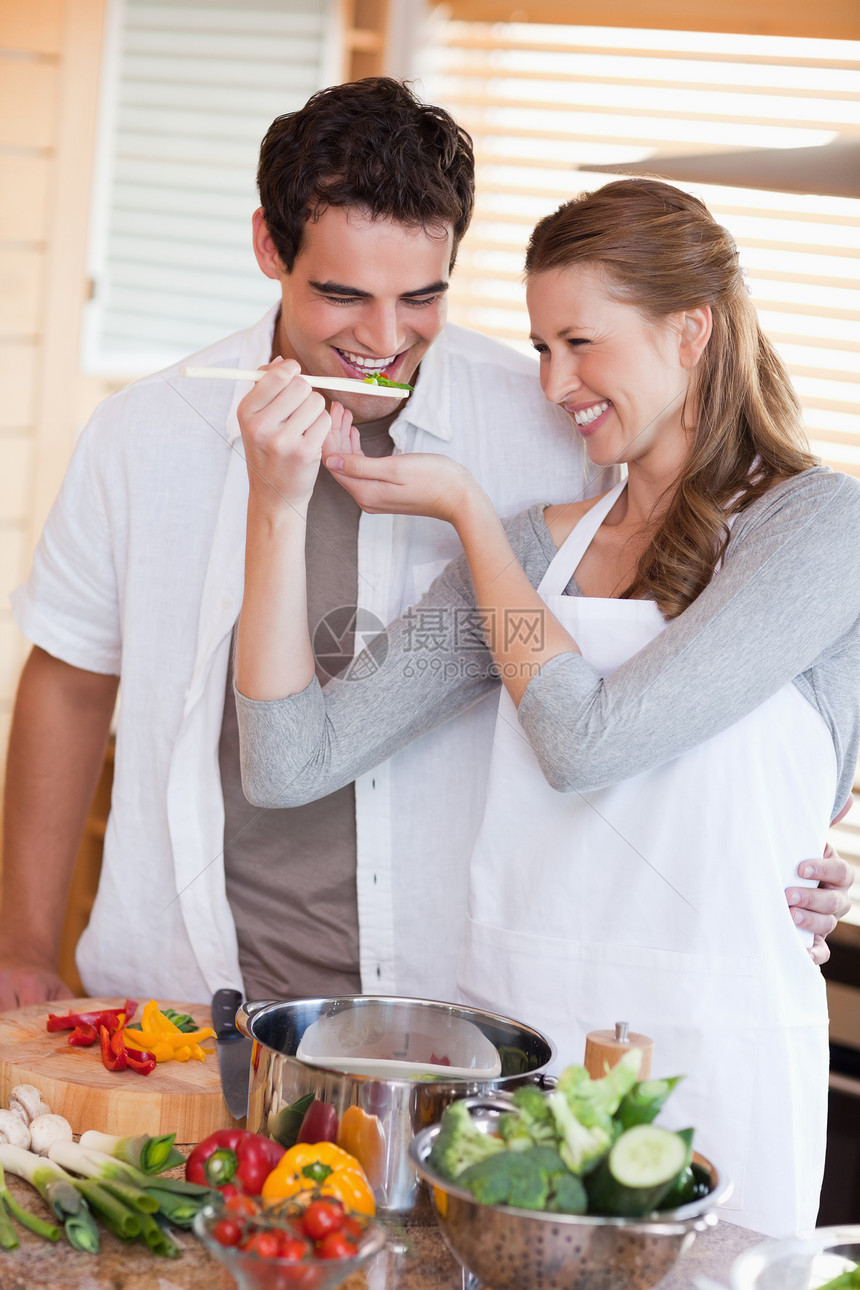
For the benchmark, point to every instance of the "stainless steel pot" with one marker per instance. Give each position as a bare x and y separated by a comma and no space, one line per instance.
389,1112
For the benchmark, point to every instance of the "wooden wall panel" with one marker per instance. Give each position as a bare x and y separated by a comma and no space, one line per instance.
33,25
24,197
18,383
16,477
830,20
28,103
21,271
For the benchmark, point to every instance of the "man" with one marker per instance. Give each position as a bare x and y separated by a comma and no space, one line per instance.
365,194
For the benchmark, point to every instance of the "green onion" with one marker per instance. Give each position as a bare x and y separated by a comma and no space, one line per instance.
56,1187
31,1221
122,1221
8,1239
149,1155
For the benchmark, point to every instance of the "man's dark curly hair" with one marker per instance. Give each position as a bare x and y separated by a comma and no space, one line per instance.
370,144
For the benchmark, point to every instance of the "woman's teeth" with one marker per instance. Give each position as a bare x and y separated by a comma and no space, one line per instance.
588,415
373,366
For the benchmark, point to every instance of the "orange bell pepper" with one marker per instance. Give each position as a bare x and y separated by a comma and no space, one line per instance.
361,1135
323,1168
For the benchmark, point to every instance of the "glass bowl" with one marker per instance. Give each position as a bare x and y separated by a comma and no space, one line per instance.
800,1263
251,1272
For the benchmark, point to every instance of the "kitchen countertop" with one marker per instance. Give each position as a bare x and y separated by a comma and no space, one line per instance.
417,1259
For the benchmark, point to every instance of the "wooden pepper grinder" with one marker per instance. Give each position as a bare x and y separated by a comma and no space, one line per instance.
603,1048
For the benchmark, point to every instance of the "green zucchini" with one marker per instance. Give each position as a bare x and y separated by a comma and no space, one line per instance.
645,1099
639,1170
694,1183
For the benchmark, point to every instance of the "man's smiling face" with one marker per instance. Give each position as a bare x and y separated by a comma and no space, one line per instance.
365,297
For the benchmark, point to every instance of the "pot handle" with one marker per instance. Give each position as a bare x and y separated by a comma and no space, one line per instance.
247,1011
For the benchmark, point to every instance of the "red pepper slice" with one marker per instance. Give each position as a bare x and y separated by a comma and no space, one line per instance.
142,1062
83,1035
104,1017
113,1050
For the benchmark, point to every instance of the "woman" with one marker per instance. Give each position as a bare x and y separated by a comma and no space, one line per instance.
684,655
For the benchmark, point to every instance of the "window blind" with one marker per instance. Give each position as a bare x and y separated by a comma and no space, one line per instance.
545,102
189,91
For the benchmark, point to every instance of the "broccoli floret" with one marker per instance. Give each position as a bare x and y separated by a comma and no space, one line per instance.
581,1146
460,1143
508,1178
568,1194
531,1124
536,1178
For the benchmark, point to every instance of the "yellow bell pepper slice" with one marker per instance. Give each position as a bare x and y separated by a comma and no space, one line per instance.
162,1037
325,1169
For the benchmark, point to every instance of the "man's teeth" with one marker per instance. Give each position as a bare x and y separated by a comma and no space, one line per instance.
586,417
373,365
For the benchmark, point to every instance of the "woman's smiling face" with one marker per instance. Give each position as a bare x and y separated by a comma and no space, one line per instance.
622,378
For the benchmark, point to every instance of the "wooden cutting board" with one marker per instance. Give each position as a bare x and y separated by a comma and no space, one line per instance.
180,1097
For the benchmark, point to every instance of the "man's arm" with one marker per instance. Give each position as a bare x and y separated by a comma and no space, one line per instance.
60,729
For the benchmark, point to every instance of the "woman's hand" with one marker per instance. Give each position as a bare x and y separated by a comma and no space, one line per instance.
418,483
818,909
284,424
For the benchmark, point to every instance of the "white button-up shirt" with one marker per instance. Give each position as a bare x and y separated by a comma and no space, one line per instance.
139,573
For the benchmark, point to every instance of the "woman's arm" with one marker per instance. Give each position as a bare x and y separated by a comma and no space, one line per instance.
788,592
522,635
786,598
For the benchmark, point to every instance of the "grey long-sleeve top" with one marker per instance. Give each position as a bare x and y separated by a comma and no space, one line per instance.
783,608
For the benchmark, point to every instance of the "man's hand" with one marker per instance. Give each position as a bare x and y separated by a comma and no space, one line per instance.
283,423
818,909
20,985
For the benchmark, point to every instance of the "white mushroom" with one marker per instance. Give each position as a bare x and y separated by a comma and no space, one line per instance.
26,1100
13,1130
46,1129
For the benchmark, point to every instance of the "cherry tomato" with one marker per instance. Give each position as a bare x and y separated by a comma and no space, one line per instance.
322,1217
241,1205
292,1247
352,1227
229,1190
336,1246
227,1231
265,1244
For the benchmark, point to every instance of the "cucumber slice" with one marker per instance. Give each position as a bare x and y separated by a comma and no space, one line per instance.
640,1169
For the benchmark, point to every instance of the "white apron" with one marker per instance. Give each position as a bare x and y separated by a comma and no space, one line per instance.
660,901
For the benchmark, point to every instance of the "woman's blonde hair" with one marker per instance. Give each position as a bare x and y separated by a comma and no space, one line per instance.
660,249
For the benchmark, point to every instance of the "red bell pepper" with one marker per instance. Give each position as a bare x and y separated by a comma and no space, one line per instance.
142,1062
83,1036
235,1158
116,1057
108,1017
113,1050
320,1124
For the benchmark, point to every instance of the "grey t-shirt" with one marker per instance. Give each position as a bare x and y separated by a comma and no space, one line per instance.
290,873
784,608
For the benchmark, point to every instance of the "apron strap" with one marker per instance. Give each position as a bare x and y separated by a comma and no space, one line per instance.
571,551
